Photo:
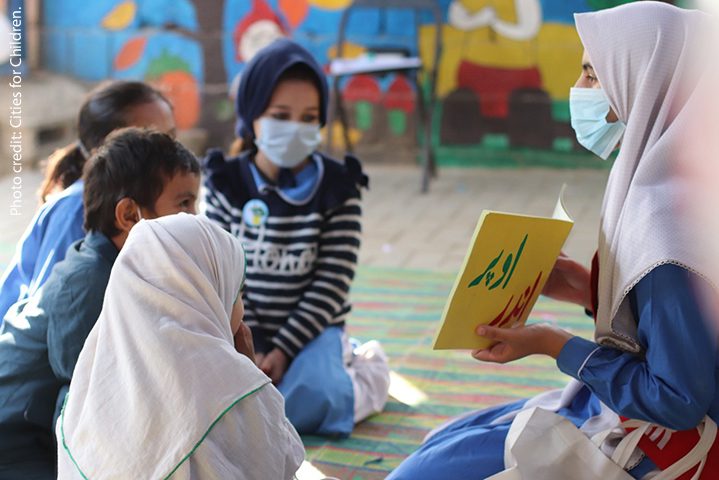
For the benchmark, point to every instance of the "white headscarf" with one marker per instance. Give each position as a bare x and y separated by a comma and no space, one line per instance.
159,367
642,54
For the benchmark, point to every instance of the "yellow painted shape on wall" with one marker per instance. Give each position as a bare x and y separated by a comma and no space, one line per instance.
480,47
121,16
337,135
559,53
505,9
351,50
485,47
448,62
507,263
330,4
474,47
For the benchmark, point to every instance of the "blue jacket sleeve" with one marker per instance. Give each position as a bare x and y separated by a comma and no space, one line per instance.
73,307
18,275
63,228
55,227
672,383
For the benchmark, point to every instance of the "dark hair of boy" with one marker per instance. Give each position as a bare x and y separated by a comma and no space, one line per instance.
132,163
298,72
105,109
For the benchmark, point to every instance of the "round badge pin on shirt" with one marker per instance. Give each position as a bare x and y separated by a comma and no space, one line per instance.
255,213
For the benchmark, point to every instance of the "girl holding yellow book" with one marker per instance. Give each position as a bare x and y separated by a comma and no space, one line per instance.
645,390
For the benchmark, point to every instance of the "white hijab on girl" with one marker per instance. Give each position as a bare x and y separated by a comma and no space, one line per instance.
159,389
642,54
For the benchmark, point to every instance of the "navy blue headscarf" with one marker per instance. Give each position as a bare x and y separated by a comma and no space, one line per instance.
259,79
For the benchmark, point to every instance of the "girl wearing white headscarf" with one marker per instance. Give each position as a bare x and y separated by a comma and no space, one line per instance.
653,360
159,390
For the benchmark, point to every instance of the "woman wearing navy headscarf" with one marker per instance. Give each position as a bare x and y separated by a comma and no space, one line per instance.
298,214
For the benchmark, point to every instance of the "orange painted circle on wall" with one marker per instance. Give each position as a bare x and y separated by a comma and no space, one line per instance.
182,91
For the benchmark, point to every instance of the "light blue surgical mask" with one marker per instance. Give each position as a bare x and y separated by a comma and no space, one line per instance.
588,109
286,143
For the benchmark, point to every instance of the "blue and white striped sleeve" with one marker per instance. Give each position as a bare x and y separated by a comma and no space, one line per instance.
217,198
215,206
326,298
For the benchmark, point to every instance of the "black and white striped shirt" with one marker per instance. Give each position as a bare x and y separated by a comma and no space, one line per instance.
301,256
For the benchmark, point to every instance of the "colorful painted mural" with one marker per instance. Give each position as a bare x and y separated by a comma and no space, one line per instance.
503,76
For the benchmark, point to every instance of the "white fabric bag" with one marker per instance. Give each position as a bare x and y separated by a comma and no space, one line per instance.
542,445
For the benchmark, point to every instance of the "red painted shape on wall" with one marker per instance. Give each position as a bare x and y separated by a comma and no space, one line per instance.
362,87
400,95
493,85
260,11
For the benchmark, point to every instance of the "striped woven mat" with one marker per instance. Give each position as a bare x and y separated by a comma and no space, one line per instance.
401,309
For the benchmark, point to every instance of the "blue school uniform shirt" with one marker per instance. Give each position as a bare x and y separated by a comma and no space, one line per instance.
40,342
673,381
301,243
54,228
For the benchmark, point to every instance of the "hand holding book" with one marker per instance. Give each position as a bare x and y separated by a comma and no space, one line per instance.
515,343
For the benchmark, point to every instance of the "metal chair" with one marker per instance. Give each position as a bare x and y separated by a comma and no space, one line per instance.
411,67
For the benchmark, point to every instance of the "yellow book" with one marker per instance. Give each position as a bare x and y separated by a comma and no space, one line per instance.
504,271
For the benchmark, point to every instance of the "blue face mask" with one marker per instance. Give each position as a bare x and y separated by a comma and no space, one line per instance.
286,143
588,108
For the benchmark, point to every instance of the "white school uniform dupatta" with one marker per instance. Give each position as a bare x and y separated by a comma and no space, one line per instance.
644,57
159,368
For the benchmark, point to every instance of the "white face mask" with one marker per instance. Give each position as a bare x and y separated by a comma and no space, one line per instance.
588,108
286,143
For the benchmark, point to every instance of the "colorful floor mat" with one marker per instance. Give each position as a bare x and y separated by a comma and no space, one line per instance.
402,309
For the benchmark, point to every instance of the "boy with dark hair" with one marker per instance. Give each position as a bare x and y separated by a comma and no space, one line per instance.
58,222
136,174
